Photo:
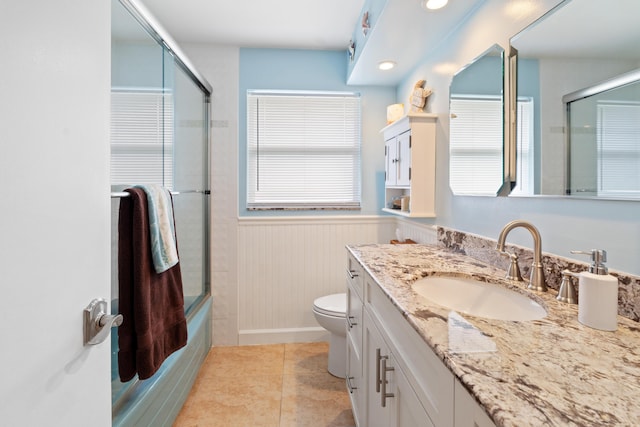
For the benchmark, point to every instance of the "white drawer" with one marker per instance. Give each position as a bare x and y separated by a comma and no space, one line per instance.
354,319
355,274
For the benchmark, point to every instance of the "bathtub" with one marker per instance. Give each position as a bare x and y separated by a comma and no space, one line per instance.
157,401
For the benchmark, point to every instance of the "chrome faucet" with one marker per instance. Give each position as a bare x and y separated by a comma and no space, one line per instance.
536,280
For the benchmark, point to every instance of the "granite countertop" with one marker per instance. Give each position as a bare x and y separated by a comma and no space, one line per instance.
553,371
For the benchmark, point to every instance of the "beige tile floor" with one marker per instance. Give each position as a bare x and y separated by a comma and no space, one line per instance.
282,385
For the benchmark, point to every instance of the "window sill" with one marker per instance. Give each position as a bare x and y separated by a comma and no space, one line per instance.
304,208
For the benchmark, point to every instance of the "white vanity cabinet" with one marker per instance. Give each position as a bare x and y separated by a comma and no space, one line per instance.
391,401
468,412
355,308
393,376
422,386
410,148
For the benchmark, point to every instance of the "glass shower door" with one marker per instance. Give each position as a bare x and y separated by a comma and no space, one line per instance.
159,135
191,180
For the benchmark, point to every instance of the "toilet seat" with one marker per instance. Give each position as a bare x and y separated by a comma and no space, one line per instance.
331,305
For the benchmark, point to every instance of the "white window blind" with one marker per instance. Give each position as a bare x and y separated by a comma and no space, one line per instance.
618,147
476,144
141,137
303,150
524,150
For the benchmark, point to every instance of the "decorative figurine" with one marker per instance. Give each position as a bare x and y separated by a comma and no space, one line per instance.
418,98
365,23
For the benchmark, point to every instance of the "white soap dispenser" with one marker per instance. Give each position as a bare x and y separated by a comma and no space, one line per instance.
597,294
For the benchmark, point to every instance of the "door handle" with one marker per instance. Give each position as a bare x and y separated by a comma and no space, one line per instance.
97,323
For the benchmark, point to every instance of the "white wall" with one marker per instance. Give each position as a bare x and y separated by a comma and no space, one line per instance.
564,224
238,309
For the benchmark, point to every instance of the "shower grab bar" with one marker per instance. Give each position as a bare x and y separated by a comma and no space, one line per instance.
120,194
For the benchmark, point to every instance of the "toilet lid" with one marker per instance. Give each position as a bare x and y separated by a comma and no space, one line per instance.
332,305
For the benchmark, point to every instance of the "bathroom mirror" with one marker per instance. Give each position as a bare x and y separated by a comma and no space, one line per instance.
476,126
576,105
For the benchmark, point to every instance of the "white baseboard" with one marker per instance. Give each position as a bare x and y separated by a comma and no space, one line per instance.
280,336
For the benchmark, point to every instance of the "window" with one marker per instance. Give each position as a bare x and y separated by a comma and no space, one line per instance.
476,160
141,137
618,151
524,150
303,150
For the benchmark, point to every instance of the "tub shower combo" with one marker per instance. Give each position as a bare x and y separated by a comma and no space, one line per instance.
160,135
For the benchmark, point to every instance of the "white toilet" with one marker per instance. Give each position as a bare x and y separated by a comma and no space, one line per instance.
330,312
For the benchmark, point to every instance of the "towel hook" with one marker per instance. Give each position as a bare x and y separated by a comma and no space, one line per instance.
97,323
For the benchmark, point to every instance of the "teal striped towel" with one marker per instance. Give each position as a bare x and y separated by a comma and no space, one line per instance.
161,227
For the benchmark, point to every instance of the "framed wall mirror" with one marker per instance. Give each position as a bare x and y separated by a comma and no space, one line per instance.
476,126
577,102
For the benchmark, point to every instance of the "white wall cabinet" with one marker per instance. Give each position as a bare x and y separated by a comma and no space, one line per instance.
397,158
410,160
393,376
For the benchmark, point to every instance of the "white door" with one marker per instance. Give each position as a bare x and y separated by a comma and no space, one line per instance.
54,210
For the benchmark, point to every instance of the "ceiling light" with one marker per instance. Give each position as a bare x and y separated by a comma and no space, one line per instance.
386,65
434,4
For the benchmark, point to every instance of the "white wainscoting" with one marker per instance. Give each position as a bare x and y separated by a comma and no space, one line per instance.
425,234
285,263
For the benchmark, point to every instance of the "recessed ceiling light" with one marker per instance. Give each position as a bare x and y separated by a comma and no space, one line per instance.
434,4
386,65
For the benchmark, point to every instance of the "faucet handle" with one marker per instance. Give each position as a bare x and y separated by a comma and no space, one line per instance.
567,292
513,272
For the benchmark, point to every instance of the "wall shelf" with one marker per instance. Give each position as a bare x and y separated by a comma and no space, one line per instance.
410,163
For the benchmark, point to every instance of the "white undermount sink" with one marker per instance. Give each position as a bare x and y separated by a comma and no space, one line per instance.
478,298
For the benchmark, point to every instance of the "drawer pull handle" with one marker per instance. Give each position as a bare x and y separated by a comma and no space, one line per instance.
349,385
352,273
351,323
378,358
384,368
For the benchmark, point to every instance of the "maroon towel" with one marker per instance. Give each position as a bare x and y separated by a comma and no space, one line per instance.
152,304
